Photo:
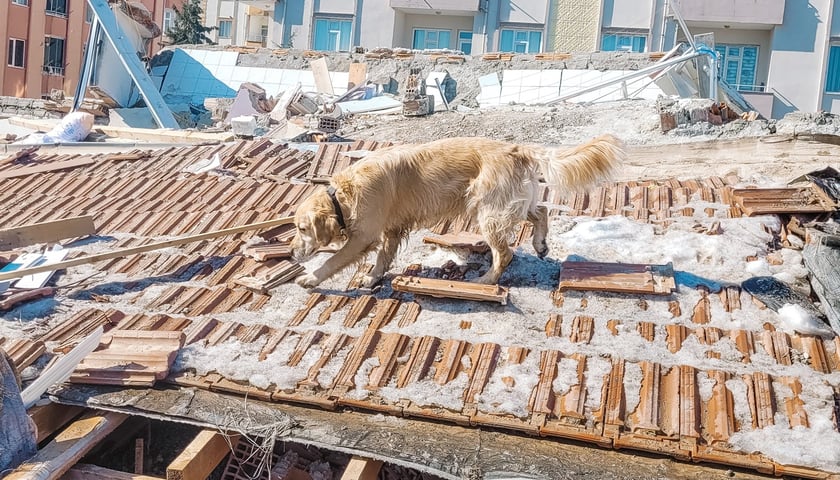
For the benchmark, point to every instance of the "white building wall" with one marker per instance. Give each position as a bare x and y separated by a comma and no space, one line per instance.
799,56
344,7
523,11
628,13
377,26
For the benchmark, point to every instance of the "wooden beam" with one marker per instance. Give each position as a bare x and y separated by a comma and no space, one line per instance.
84,471
201,456
51,417
361,469
25,235
447,289
68,447
143,248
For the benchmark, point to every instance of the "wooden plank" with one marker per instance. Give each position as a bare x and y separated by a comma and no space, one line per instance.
361,469
201,456
357,76
617,277
84,471
51,417
448,289
45,232
760,201
323,83
472,241
68,447
145,248
47,167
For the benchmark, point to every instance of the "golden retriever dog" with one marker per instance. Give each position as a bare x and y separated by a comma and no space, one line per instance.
377,201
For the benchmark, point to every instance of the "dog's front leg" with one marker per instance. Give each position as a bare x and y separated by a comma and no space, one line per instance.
350,252
384,258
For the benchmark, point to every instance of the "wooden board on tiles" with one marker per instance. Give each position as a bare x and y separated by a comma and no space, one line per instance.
760,201
46,232
358,75
471,241
133,357
450,289
47,167
617,277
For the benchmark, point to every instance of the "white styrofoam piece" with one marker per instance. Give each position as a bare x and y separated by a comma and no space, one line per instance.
24,261
38,280
491,89
371,105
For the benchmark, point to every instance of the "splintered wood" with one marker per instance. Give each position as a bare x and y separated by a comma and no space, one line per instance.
760,201
617,277
450,289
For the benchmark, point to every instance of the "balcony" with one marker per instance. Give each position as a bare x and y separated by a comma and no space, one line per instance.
53,70
751,14
437,7
264,5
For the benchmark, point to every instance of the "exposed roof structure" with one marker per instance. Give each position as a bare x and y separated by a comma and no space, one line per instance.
689,372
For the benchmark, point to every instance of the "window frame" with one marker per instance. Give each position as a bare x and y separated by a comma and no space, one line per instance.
229,22
426,31
461,41
632,39
171,13
726,58
51,10
516,31
48,67
20,3
340,36
12,53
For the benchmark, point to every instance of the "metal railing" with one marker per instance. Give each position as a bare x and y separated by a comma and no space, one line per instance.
54,70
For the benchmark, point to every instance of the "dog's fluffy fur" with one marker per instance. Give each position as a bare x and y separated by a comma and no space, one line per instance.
395,190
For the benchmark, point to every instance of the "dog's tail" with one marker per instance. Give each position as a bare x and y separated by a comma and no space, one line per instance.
581,167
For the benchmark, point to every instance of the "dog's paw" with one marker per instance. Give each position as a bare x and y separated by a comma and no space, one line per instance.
368,281
307,281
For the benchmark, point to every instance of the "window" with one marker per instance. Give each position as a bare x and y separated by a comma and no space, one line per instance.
332,35
263,32
623,43
737,65
224,28
17,50
832,83
465,41
54,56
57,7
520,41
168,20
88,13
21,2
426,38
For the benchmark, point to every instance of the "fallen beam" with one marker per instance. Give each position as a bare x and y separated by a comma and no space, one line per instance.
45,232
51,417
450,289
201,456
68,447
144,248
617,277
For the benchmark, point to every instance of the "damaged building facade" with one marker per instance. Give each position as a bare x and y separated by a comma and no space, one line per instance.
763,45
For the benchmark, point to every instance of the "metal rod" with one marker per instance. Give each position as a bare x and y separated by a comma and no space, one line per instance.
87,67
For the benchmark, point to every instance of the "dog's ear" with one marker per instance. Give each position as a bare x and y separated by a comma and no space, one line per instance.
325,228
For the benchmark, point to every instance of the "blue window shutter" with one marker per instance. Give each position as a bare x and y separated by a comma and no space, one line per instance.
322,35
534,42
506,41
345,37
832,83
749,59
419,39
443,39
639,44
608,43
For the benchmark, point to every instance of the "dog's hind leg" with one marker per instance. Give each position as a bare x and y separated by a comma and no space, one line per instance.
384,258
350,252
539,217
496,232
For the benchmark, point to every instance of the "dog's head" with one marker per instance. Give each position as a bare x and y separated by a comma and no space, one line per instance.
317,226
